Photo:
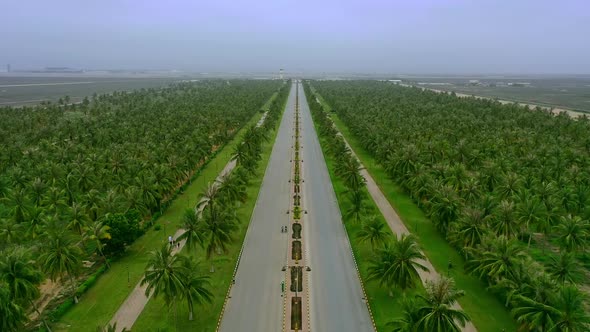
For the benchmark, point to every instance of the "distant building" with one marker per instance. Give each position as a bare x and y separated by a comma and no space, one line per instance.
8,68
520,84
61,70
474,82
395,81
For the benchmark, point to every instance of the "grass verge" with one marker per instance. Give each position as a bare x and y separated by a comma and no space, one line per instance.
99,303
487,313
153,318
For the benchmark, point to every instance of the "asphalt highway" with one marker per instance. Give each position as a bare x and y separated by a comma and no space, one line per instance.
256,304
336,301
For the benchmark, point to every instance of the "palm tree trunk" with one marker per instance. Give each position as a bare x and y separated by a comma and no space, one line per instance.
190,309
106,261
73,289
41,317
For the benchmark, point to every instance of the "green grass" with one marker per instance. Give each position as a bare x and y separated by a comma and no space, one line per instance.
383,306
98,305
487,313
156,317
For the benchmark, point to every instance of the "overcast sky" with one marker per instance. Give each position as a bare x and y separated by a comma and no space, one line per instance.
410,36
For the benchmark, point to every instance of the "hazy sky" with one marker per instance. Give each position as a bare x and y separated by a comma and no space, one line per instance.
410,36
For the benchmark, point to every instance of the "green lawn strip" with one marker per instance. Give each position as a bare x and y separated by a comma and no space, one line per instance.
157,317
98,305
384,307
487,313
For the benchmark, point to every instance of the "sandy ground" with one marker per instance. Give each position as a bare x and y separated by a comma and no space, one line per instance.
49,290
553,110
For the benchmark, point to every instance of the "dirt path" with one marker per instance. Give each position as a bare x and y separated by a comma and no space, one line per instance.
136,301
49,290
397,226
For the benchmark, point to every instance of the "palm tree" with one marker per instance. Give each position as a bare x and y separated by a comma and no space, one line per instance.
22,278
573,233
437,312
570,314
10,232
193,230
445,207
373,231
208,198
564,268
397,263
97,231
196,286
164,274
349,169
408,322
504,222
532,315
12,315
217,230
231,185
61,256
499,260
356,205
470,229
77,218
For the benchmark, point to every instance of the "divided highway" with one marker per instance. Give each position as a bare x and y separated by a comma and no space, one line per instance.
336,297
334,290
256,303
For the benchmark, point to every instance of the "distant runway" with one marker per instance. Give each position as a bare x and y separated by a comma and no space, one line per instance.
42,84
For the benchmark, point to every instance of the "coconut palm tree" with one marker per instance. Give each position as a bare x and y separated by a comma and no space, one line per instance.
410,318
396,265
196,286
208,198
232,187
77,218
12,315
193,230
22,278
437,312
373,231
470,228
10,232
532,315
570,314
565,268
164,274
61,257
498,260
217,230
97,231
348,169
356,206
573,233
504,221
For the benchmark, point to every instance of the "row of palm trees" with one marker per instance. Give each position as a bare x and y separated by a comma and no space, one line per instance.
501,182
211,225
68,172
396,261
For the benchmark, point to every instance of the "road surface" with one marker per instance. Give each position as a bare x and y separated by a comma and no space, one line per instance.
336,297
256,303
